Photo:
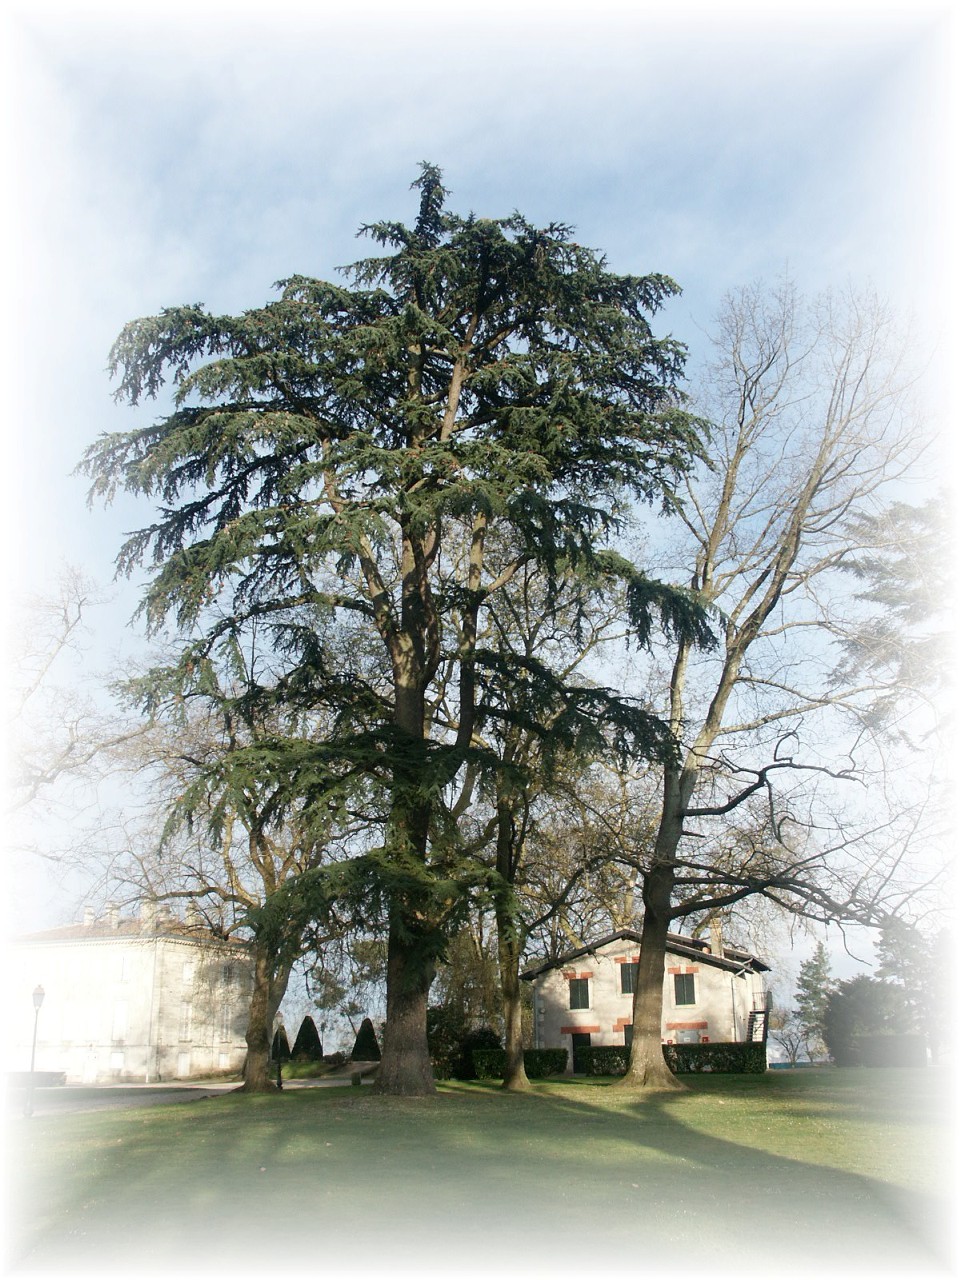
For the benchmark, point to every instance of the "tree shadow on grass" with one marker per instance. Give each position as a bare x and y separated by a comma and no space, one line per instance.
747,1200
503,1180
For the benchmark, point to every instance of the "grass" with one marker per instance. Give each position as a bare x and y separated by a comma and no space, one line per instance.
815,1167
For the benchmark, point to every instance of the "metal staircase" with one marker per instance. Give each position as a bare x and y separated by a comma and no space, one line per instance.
757,1025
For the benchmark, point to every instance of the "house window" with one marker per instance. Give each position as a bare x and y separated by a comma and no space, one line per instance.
683,992
628,978
581,1040
186,1020
226,973
628,1036
579,993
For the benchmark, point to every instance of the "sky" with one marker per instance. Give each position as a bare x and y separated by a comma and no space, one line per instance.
201,153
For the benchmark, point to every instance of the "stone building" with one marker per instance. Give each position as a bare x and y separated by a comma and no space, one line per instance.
140,999
711,992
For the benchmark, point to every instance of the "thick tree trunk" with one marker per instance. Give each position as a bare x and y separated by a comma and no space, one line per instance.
405,1067
269,985
508,952
509,946
647,1068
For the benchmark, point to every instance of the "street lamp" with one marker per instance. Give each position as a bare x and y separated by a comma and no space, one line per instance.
38,994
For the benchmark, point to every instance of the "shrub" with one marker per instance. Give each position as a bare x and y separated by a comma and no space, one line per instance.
307,1044
600,1060
544,1062
280,1049
683,1059
365,1047
445,1031
452,1043
490,1064
748,1058
479,1040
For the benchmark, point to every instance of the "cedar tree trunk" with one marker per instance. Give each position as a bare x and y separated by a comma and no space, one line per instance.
269,985
508,951
405,1067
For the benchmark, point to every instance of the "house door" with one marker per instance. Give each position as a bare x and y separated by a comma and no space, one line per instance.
581,1040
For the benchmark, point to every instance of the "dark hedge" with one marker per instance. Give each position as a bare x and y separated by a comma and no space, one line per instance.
490,1064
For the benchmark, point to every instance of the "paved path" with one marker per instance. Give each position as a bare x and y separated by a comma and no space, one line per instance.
65,1100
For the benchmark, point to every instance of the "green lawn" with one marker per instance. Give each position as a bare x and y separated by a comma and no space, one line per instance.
790,1173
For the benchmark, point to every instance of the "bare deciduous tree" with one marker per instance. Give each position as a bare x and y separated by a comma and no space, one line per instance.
813,428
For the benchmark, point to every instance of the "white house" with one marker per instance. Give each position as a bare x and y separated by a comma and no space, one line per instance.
711,992
144,999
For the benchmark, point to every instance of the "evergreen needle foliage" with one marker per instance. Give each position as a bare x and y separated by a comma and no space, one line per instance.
335,463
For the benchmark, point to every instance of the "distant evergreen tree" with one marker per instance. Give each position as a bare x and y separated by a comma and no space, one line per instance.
307,1043
919,968
862,1006
281,1046
812,995
365,1047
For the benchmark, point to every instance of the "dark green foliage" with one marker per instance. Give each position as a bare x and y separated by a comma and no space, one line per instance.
812,993
478,1040
365,1047
863,1006
452,1043
601,1060
490,1064
307,1044
746,1058
445,1031
280,1051
344,457
682,1059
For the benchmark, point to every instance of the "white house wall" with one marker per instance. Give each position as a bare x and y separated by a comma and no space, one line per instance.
130,1008
722,1001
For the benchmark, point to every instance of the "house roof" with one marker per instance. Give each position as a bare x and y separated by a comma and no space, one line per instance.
733,959
129,930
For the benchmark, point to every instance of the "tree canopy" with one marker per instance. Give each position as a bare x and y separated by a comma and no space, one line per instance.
340,459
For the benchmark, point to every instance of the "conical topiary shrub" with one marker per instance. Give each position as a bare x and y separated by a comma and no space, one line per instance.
365,1047
307,1044
280,1052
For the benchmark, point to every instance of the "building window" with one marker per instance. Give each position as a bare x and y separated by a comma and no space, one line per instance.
581,1039
683,991
579,993
187,973
628,1036
226,974
628,978
226,1021
186,1020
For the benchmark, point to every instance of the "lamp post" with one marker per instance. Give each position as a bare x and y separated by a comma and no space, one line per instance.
38,994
